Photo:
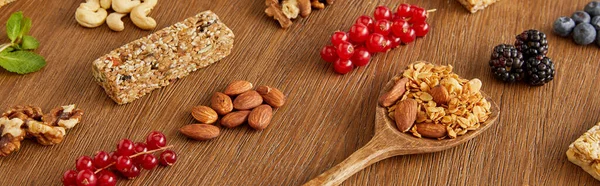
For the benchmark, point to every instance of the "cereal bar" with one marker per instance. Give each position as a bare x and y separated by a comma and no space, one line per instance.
585,151
476,5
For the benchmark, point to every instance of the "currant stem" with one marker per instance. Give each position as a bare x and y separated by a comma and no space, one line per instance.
431,10
135,155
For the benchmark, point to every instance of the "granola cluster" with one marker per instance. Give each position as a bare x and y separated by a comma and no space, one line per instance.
465,110
585,151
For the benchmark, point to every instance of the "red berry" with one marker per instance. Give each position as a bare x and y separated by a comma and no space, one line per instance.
329,54
382,12
388,45
131,173
361,57
421,29
69,178
106,178
102,159
399,26
404,10
395,41
113,156
367,21
86,178
408,36
359,33
123,164
376,43
156,140
419,15
140,147
148,161
167,158
383,27
342,66
125,147
84,163
339,37
345,50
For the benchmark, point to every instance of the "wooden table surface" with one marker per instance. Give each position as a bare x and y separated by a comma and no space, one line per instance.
328,116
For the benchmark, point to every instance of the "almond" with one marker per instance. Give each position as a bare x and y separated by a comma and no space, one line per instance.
405,114
235,119
200,131
221,103
272,96
260,117
204,114
238,87
390,97
440,94
431,130
248,100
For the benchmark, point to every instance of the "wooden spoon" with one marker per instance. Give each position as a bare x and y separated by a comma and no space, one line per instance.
389,141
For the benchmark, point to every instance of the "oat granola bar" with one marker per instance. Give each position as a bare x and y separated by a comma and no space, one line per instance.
585,151
476,5
135,69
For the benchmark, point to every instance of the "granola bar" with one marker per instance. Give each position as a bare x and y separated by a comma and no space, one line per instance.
5,2
152,62
476,5
585,151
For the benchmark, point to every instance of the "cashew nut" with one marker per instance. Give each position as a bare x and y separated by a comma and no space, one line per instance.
124,6
89,14
114,21
139,15
105,4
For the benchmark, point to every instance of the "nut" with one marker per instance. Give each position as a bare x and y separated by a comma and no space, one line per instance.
248,100
238,87
89,14
272,96
440,94
200,131
235,119
274,10
405,114
431,130
204,114
139,15
221,103
304,6
105,4
260,117
290,8
473,86
317,5
390,97
124,6
114,21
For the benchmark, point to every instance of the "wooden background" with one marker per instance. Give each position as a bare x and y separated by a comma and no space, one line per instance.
328,116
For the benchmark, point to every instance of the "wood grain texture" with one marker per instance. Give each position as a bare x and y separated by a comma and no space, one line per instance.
327,116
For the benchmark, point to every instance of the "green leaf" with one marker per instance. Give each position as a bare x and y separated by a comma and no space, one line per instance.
29,43
25,26
21,62
13,26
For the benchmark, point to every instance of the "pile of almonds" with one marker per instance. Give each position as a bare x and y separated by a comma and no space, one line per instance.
247,106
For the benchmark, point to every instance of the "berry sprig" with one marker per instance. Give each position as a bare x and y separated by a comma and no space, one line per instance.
128,160
371,35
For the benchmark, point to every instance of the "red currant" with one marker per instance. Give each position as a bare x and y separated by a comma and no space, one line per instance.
395,41
156,140
133,172
125,147
148,161
345,50
388,45
361,56
101,159
69,178
106,178
376,43
167,158
123,164
419,15
382,12
383,27
339,37
140,147
367,21
329,54
399,26
343,66
113,156
404,10
408,36
359,33
86,178
421,29
84,163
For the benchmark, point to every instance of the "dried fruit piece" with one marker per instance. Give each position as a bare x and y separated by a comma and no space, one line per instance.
405,114
204,114
235,119
390,97
200,131
272,96
440,94
260,117
248,100
221,103
431,130
238,87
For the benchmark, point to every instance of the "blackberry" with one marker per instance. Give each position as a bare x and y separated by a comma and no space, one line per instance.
507,63
532,43
539,70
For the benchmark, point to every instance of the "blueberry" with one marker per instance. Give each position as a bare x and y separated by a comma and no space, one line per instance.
563,26
584,34
581,17
593,8
596,22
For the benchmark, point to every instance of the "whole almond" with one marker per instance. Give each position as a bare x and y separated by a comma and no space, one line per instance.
204,114
260,117
221,103
248,100
390,97
200,131
272,96
405,114
235,119
440,94
431,130
238,87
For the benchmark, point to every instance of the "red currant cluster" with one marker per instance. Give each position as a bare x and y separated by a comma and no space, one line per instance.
126,160
368,36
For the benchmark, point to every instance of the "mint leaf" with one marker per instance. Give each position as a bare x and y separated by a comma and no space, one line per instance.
25,26
21,62
29,43
13,26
